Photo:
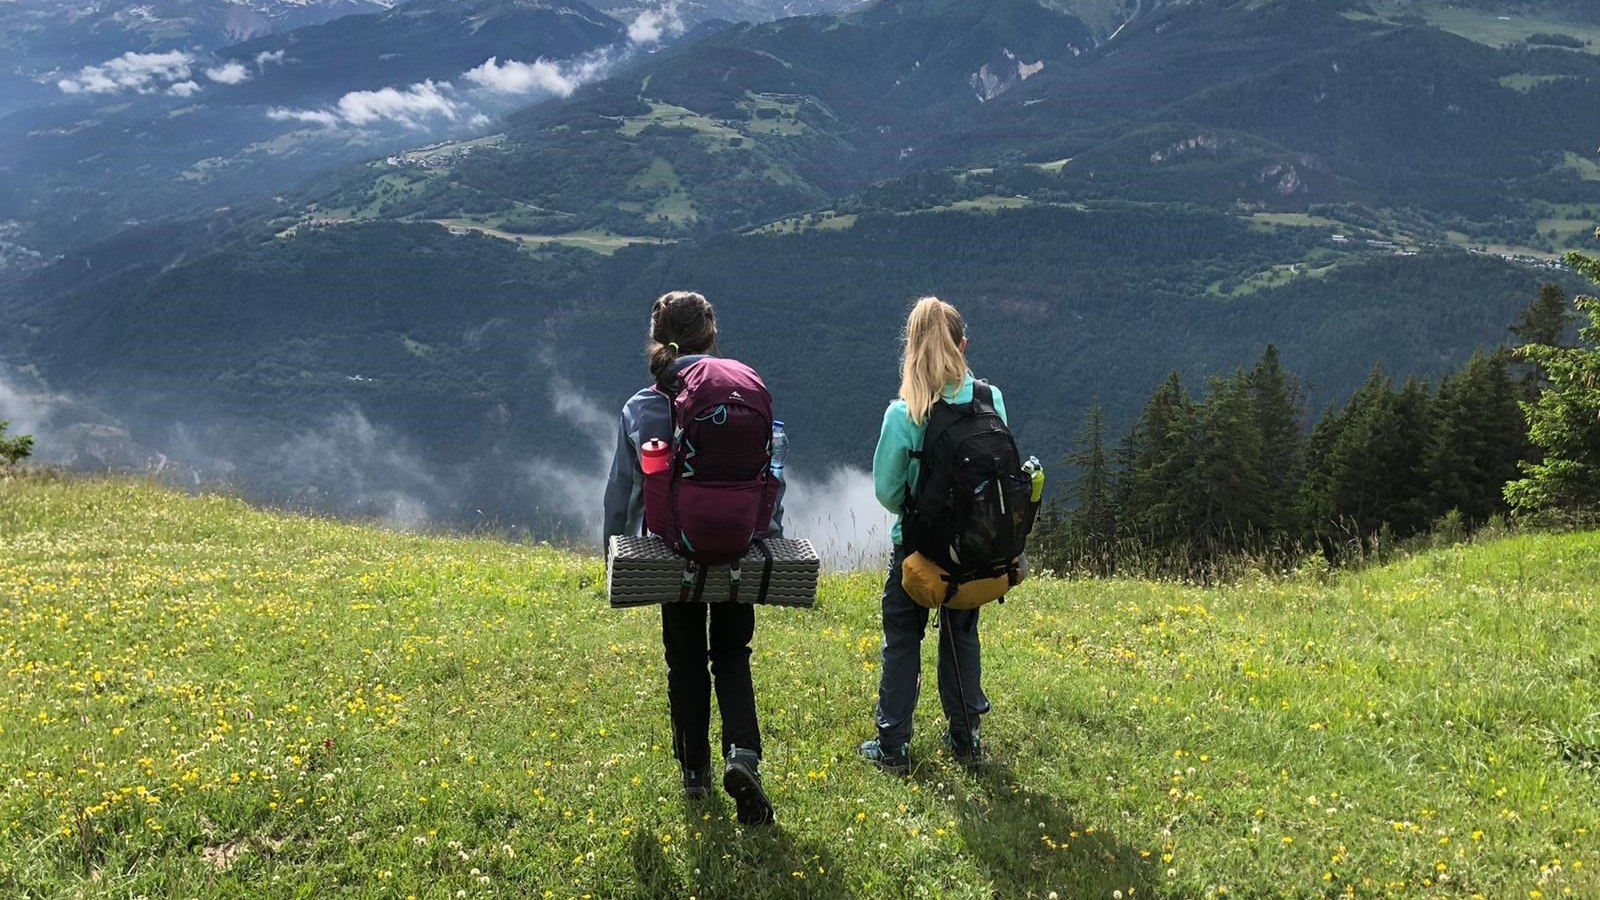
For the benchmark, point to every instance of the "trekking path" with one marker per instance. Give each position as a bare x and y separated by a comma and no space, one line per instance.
202,699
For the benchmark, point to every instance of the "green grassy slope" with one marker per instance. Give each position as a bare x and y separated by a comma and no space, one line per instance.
199,699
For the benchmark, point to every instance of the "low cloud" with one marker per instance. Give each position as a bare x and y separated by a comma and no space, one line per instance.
576,494
151,73
839,514
417,105
229,73
542,76
67,430
144,73
349,464
409,107
305,116
514,77
412,107
26,410
654,24
368,468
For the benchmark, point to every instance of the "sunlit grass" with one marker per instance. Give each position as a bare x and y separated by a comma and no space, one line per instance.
201,699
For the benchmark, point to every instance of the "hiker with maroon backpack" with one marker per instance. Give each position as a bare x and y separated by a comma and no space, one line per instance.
716,497
947,466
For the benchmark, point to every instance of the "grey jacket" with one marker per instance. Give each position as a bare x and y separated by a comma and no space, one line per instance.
647,416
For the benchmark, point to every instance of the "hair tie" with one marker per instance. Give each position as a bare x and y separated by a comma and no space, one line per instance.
674,346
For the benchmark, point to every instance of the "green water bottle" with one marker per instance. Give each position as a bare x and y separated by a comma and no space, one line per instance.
1035,472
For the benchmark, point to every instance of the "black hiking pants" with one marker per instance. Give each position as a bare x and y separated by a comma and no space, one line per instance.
726,648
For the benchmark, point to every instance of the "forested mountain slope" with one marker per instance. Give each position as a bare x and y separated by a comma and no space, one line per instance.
1217,176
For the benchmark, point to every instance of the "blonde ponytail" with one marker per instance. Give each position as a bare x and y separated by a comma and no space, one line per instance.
933,356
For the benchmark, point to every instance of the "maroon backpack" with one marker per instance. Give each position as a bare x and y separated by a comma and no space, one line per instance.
718,494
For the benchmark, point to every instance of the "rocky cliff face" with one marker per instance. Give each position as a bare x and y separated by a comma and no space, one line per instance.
1003,74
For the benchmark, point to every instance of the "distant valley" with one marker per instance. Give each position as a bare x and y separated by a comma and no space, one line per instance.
312,268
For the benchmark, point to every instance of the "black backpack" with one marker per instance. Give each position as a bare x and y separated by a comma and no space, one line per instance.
972,507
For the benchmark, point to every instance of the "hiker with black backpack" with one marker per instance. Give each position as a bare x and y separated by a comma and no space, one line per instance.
947,466
721,500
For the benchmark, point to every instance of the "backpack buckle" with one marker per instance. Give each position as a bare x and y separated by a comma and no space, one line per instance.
687,584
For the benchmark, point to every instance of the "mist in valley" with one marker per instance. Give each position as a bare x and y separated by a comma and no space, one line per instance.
350,464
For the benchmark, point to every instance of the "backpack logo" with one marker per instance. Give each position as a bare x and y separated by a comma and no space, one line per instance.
735,396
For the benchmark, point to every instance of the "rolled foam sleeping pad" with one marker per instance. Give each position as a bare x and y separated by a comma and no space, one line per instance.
643,570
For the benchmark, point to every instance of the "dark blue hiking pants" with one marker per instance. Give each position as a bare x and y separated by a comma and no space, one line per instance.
904,624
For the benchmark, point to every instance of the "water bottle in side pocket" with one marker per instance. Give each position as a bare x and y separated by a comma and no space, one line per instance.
780,447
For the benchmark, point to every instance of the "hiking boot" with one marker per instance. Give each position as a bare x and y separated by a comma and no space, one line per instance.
697,782
741,778
965,747
895,762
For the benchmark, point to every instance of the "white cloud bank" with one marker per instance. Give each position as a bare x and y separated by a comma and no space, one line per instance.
304,116
512,77
654,24
369,468
420,103
412,107
229,73
409,107
26,412
151,73
840,516
144,73
416,105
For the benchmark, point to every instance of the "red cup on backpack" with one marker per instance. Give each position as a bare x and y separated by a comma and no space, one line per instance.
655,458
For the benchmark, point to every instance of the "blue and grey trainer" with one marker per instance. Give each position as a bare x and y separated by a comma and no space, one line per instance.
697,782
965,747
741,778
895,761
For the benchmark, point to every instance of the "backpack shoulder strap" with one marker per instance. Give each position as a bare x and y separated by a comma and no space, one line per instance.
982,397
941,416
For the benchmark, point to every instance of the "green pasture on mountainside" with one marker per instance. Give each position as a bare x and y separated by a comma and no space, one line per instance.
1495,27
201,699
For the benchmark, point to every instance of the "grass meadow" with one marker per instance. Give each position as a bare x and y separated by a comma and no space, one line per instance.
200,699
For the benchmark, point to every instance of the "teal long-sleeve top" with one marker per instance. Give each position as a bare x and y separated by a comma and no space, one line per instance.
893,469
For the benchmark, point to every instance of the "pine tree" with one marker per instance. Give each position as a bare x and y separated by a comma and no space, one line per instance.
1280,415
1048,547
1231,489
1162,502
1123,460
1370,466
1565,420
1315,500
1357,490
1479,437
1543,322
1092,523
1400,454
